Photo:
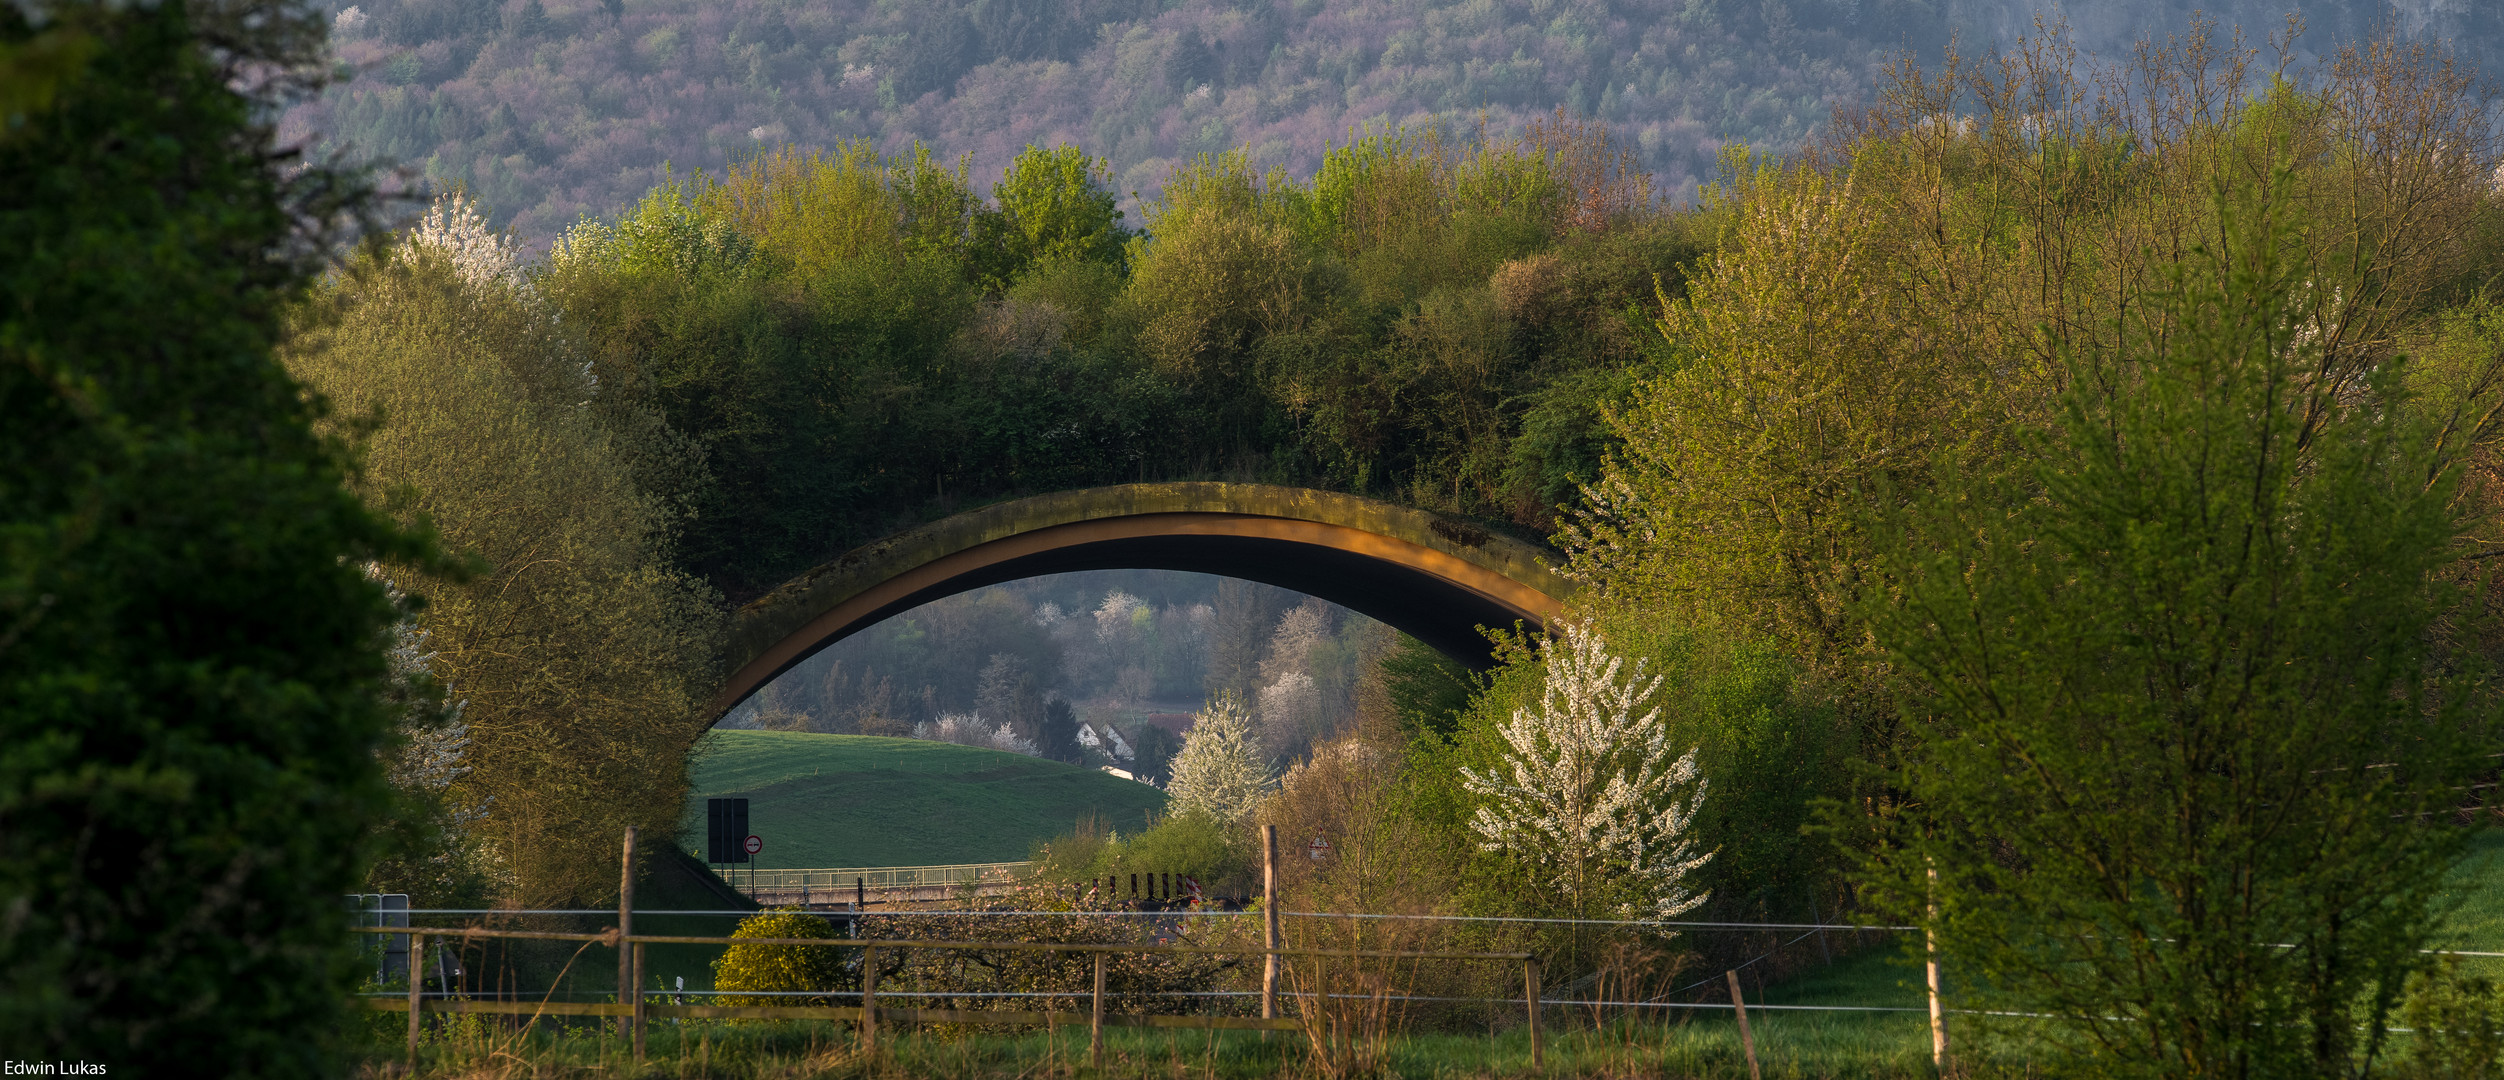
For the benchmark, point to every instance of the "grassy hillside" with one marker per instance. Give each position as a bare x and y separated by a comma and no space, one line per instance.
858,800
2477,885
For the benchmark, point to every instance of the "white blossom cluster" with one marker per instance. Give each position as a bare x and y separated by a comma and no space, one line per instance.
1588,786
1114,615
488,262
1292,704
1006,738
970,730
1220,771
454,228
433,741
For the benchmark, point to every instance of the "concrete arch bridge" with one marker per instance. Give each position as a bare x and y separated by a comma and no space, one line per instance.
1433,577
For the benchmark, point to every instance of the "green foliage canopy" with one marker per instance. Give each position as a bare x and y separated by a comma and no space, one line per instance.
190,652
580,652
2184,758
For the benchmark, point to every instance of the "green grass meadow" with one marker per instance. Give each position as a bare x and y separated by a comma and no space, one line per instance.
2476,889
860,800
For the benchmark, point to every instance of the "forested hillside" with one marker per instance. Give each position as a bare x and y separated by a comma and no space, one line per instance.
551,109
1018,666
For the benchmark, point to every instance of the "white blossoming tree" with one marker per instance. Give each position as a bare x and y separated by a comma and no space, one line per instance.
1589,790
455,229
433,740
1220,771
431,846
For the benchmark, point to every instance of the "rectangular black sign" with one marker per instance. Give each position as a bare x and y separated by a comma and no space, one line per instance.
725,831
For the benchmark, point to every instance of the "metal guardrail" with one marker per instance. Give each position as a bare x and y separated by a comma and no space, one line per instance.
883,877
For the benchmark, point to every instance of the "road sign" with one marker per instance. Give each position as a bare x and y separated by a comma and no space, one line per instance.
1318,849
725,822
755,844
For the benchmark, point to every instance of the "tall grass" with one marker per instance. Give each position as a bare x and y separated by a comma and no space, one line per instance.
1790,1047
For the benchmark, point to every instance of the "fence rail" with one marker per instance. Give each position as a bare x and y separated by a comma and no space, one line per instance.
885,877
905,1015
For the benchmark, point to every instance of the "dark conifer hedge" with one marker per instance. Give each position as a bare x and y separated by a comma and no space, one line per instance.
188,641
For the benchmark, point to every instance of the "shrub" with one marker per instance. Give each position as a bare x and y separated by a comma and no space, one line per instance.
779,969
1147,981
1183,843
2453,1019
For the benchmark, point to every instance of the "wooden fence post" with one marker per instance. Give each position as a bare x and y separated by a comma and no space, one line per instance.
1095,1027
636,1015
417,986
869,1001
1747,1041
1269,917
1930,950
1317,1018
1530,1003
625,929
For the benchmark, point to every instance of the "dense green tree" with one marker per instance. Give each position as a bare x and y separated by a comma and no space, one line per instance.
1915,288
1054,206
1424,690
191,654
580,654
1058,734
2184,758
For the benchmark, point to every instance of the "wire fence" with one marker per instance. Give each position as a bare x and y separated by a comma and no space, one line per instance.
1801,933
395,924
1328,1016
637,1007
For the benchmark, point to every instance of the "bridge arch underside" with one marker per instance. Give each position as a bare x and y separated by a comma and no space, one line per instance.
1434,596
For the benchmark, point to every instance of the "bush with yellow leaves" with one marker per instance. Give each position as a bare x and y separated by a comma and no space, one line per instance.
773,972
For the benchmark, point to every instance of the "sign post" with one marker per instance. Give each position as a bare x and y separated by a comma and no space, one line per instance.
751,847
